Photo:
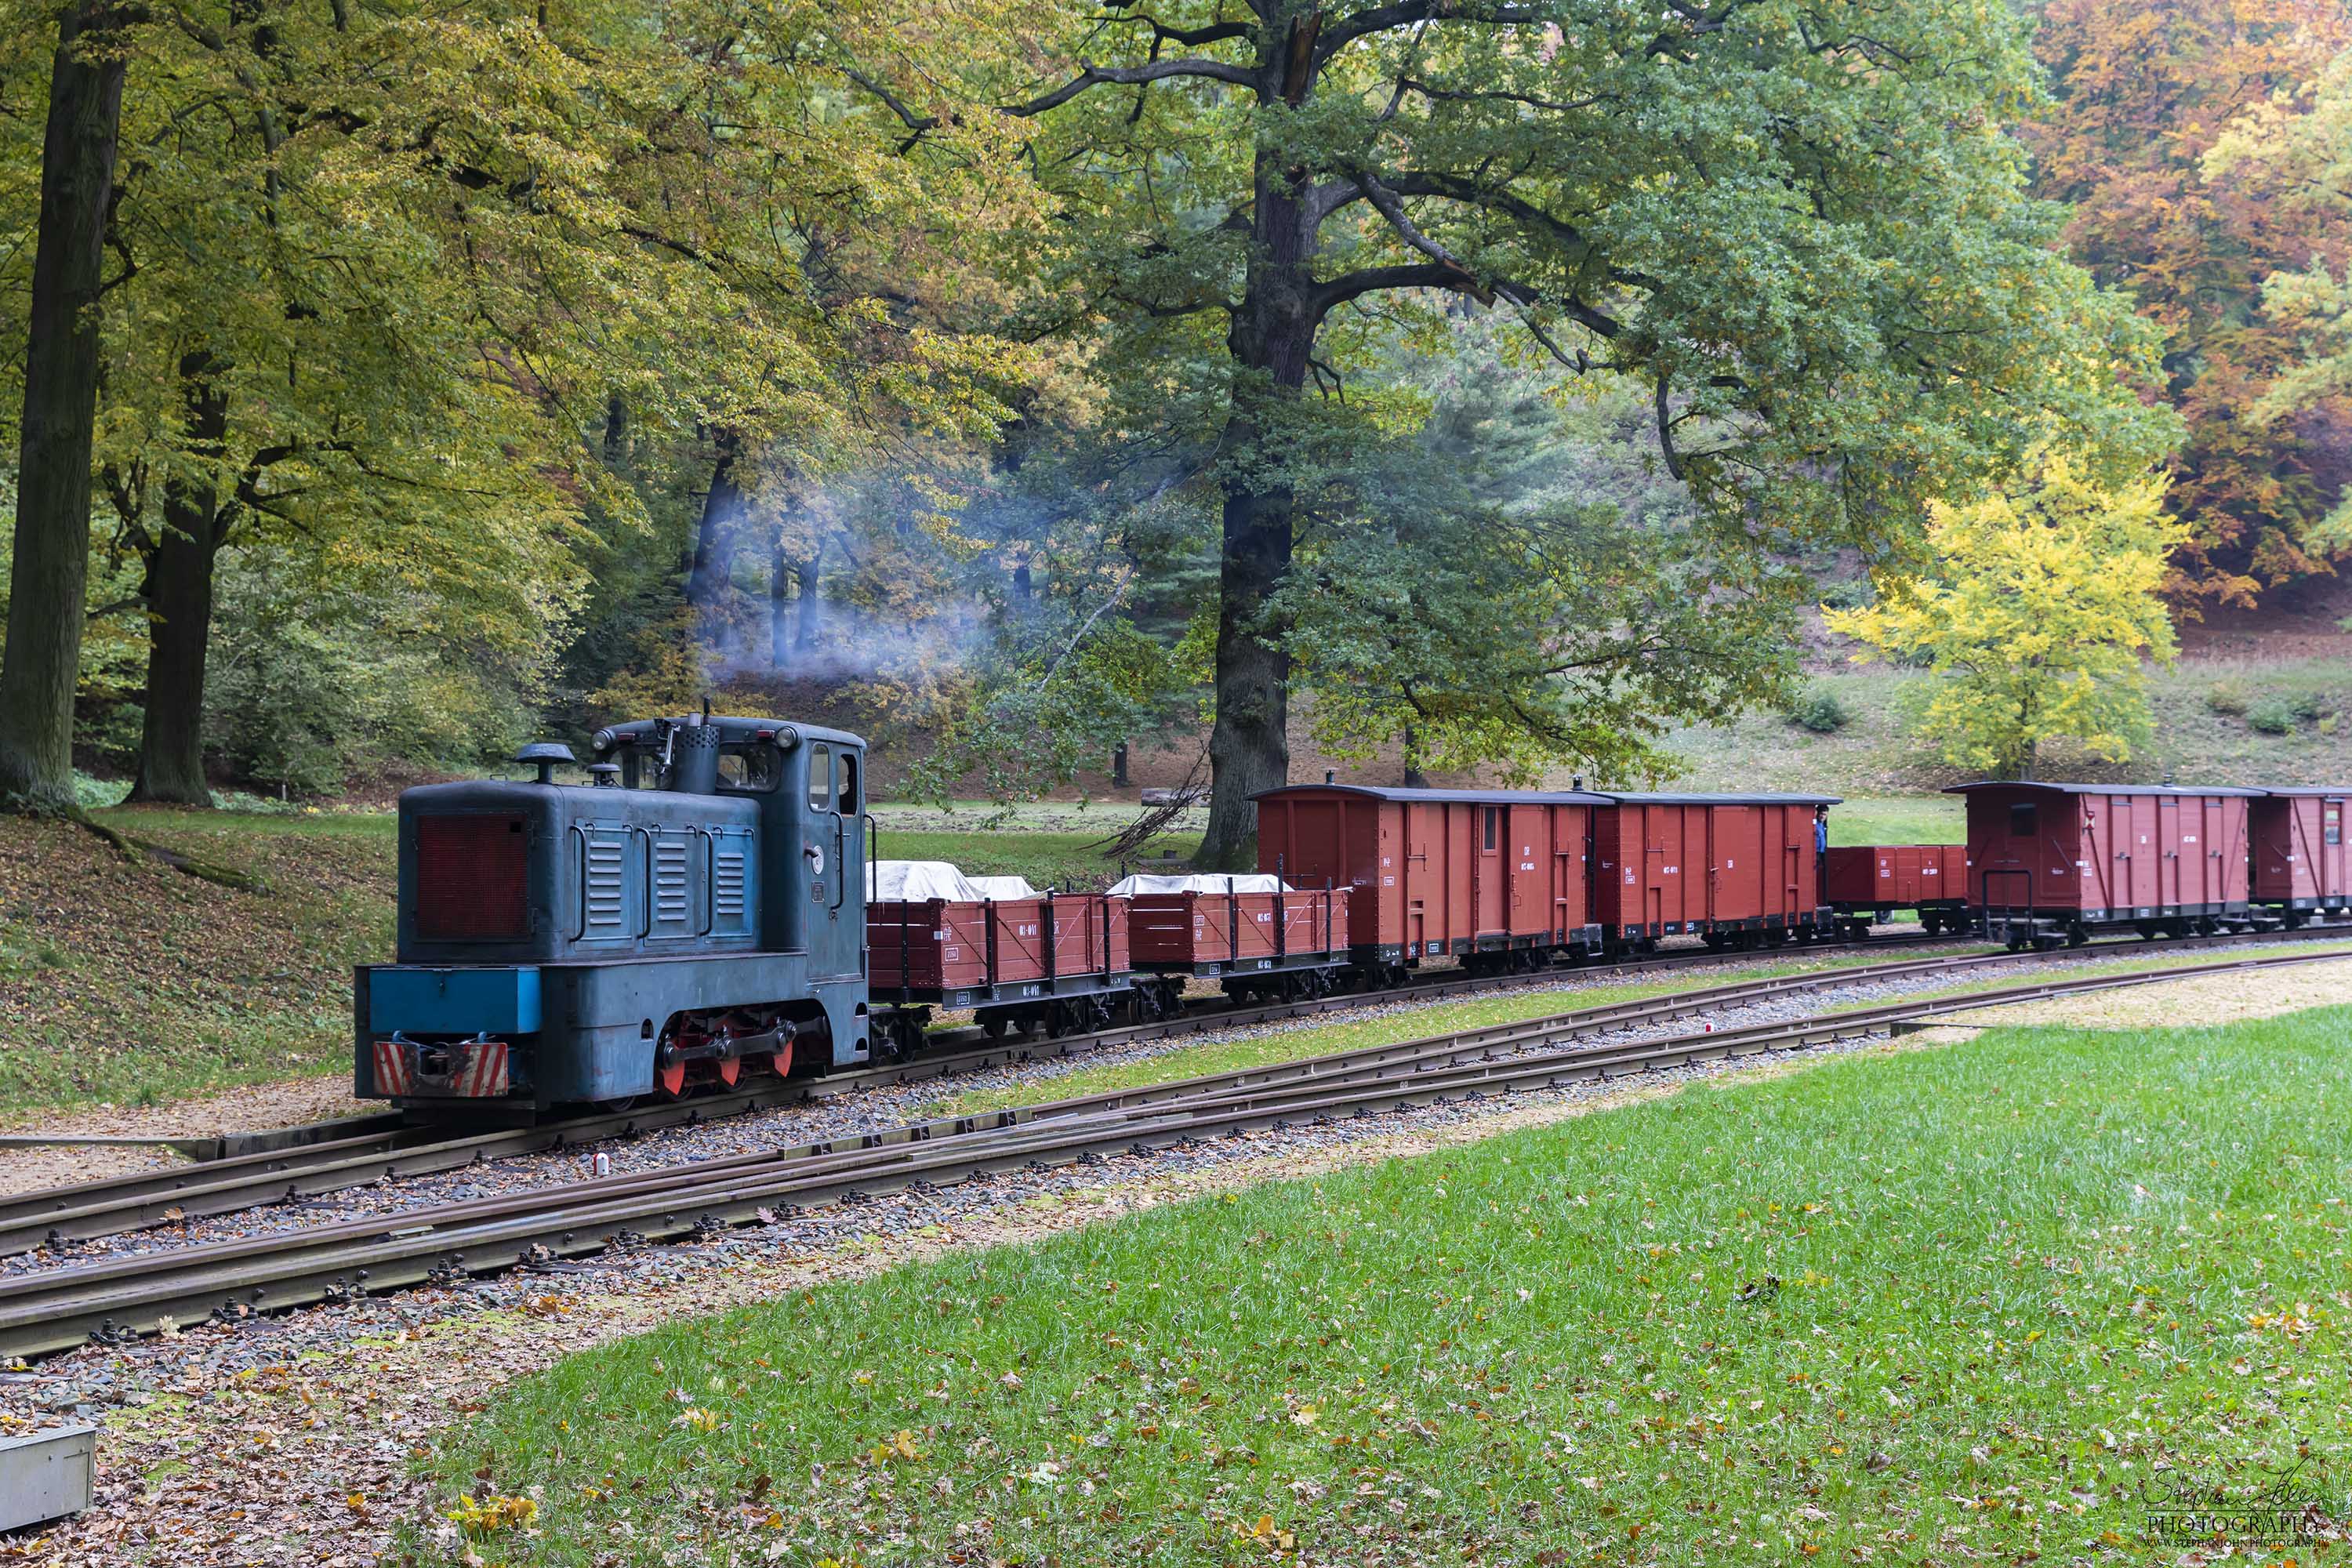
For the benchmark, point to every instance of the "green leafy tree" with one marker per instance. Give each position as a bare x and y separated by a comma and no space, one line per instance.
1796,231
2035,619
383,267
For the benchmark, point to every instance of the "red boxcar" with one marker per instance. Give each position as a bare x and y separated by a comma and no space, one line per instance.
2299,854
1254,942
1059,961
1497,876
1734,868
2051,861
1864,881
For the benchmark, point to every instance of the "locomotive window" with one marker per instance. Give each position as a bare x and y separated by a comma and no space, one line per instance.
1491,815
848,807
752,769
2020,820
820,790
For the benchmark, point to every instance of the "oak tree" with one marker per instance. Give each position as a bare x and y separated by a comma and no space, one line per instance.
1796,228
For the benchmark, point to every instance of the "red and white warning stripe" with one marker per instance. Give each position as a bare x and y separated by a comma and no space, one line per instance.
481,1070
478,1070
391,1068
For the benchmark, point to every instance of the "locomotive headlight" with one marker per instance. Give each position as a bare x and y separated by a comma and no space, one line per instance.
815,854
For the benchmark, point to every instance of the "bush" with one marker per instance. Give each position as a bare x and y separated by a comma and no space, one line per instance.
2307,706
1817,709
2272,716
1849,595
2228,697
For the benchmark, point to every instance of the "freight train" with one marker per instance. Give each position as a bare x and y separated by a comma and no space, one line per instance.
707,908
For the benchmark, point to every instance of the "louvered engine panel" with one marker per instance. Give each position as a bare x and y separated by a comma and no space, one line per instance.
672,890
604,885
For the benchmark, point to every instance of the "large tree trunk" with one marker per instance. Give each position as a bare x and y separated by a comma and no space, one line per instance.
42,659
792,582
180,606
780,601
1273,338
811,573
714,536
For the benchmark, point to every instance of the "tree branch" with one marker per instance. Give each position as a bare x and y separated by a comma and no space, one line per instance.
1091,76
1346,30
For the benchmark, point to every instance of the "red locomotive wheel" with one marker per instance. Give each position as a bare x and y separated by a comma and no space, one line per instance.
670,1079
731,1070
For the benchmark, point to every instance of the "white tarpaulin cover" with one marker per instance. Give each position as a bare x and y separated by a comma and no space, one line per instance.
1003,887
914,881
1257,882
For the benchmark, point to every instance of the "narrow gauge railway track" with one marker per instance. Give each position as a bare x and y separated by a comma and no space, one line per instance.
378,1148
117,1298
65,1214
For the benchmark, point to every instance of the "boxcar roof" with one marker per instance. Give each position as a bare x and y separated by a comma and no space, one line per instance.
2345,790
1475,796
1767,798
2104,788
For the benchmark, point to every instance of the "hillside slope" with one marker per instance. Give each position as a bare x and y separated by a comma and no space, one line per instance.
137,983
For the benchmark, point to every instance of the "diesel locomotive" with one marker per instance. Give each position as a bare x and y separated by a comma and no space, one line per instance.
693,914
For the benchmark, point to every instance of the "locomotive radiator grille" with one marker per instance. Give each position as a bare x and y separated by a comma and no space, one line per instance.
669,881
469,879
727,886
604,882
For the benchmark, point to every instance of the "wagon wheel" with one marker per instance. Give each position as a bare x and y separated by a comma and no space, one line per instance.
994,1024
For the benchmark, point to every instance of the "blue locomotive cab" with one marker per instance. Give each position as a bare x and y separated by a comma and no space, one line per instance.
694,915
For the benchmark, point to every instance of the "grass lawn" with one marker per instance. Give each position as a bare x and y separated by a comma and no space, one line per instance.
2203,711
1899,819
1959,1305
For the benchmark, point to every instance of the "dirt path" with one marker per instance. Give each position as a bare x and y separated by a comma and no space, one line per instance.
2229,998
253,1109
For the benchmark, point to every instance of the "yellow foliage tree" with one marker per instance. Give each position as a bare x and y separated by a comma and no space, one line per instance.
2035,619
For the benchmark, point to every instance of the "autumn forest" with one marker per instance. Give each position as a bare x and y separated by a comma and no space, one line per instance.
1494,384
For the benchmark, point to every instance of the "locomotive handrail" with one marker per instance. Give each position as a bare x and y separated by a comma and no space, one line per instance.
873,897
645,888
709,879
580,875
840,854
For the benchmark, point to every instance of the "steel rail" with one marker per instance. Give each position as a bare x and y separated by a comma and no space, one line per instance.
59,1309
114,1207
87,1210
1488,1039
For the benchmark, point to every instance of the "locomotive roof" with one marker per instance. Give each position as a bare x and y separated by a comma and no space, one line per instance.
734,727
1475,796
2177,791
